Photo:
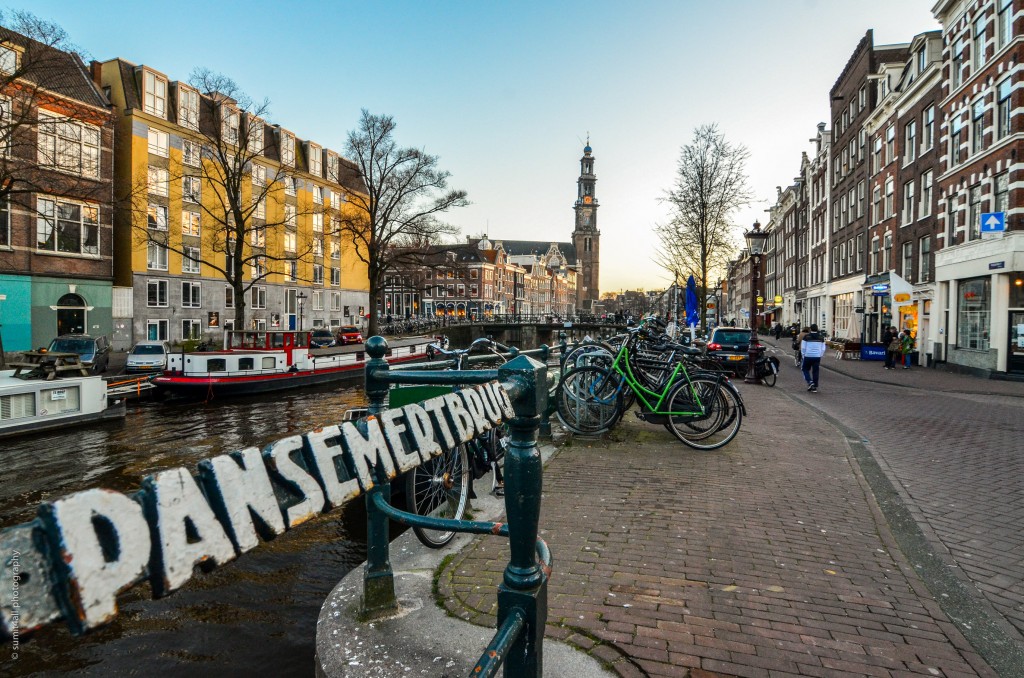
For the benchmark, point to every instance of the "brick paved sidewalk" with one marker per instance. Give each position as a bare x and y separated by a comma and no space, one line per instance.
766,558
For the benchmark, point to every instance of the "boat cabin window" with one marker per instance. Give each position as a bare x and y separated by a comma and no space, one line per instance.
60,399
302,339
277,340
17,406
269,362
245,363
216,365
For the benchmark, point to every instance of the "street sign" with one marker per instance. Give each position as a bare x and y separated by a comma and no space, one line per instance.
993,222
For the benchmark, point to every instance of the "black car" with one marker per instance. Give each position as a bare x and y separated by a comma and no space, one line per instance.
94,352
321,339
730,345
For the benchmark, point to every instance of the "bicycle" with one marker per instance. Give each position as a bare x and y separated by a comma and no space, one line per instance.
442,486
702,410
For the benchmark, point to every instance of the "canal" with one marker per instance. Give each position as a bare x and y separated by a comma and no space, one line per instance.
254,616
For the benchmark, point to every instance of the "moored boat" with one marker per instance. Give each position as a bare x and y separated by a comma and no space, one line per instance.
50,390
258,361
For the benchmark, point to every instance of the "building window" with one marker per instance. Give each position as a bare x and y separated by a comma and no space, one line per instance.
156,330
156,217
156,293
890,143
333,166
157,181
861,188
318,222
315,160
335,250
928,128
68,145
875,261
259,175
156,257
860,252
190,153
259,268
876,204
924,265
335,276
1003,108
260,211
155,95
889,200
910,145
886,251
254,134
974,214
318,195
318,297
289,185
67,227
1004,29
907,267
876,155
951,213
289,242
957,141
978,47
230,122
974,314
978,127
258,297
318,274
908,203
191,295
190,189
8,60
959,63
287,149
229,297
5,223
291,270
191,328
158,142
926,194
290,215
1001,195
190,259
188,108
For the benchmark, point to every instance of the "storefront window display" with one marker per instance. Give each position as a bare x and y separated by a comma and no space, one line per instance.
908,318
974,314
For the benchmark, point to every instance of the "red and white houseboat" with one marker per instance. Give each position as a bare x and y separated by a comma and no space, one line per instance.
258,361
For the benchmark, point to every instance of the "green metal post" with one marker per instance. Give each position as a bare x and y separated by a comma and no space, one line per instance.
524,587
378,578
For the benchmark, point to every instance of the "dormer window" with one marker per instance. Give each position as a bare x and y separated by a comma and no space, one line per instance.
155,94
287,149
316,160
8,59
229,125
333,165
255,132
188,108
922,59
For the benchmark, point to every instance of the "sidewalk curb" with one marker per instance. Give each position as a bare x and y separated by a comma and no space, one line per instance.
982,626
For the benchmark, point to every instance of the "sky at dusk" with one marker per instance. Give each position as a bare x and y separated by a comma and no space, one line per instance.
506,92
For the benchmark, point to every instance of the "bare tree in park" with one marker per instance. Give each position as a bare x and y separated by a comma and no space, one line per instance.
397,217
710,186
244,212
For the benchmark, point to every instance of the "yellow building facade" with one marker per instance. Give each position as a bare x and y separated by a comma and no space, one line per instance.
189,167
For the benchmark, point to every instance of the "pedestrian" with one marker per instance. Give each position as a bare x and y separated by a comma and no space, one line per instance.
732,323
778,331
812,348
798,337
906,348
892,347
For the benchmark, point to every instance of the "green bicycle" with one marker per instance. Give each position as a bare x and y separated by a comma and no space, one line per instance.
702,409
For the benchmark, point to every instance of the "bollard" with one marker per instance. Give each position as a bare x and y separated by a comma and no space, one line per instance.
378,578
524,586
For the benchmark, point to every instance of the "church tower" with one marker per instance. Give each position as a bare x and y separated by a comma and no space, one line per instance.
585,237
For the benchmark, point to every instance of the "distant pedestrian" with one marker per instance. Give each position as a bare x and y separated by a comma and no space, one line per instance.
892,347
907,346
732,323
778,331
812,348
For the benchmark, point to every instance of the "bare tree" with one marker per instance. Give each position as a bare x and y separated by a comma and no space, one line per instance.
35,62
710,185
396,218
240,192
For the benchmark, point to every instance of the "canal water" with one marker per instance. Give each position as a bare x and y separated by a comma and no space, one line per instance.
254,616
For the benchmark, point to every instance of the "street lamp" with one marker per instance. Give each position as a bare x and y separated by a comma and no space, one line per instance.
755,245
300,298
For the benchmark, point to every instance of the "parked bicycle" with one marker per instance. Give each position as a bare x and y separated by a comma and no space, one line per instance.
701,408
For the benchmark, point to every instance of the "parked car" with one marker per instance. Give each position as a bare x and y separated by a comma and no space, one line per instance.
94,352
321,338
147,356
730,345
349,334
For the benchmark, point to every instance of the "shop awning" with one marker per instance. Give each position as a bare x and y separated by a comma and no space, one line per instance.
769,311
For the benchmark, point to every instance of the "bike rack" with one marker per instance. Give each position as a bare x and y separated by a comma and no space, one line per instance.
522,596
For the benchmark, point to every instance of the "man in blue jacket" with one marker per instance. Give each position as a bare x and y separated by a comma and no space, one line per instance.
811,349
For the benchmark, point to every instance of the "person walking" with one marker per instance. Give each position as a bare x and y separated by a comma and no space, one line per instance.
778,331
798,337
907,345
892,347
812,348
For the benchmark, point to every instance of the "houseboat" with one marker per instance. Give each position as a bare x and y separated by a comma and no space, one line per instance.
49,390
259,361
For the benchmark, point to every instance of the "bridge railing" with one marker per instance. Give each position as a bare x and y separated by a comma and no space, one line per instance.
522,596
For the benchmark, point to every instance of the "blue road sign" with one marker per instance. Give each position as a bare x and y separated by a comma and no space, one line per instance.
993,222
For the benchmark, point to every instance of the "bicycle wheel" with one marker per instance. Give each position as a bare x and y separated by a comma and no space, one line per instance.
768,377
703,414
588,400
439,488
